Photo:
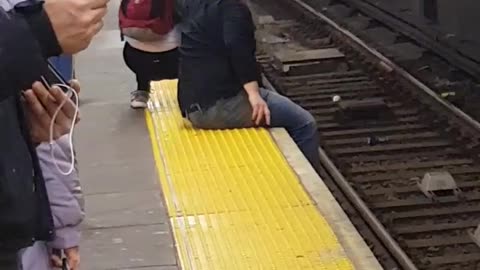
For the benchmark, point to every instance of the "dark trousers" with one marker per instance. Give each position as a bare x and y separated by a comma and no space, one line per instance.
8,260
149,66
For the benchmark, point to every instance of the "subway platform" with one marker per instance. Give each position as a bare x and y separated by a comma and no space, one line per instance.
153,204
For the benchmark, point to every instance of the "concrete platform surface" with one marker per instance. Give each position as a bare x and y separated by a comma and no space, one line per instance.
126,226
352,242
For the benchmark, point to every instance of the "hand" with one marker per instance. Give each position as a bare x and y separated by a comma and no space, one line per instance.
75,84
75,22
260,109
73,258
40,105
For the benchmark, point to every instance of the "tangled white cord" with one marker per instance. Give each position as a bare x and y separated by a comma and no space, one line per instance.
70,92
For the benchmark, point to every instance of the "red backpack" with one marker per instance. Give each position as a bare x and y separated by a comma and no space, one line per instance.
146,20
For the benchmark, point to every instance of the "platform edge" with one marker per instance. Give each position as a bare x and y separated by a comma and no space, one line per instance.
352,242
157,157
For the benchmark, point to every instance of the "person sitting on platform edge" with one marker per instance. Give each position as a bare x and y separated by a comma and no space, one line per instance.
217,61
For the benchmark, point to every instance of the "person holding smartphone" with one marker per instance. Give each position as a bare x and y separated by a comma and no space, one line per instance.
31,32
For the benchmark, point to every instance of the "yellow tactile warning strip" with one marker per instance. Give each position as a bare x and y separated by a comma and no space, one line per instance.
233,200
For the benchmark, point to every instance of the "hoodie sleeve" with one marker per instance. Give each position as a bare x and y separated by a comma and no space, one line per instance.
64,192
21,61
239,38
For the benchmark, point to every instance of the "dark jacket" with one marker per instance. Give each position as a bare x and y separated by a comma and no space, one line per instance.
27,39
217,51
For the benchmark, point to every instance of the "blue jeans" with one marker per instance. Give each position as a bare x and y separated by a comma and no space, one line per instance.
236,112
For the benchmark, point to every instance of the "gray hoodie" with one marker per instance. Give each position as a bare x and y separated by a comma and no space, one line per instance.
66,202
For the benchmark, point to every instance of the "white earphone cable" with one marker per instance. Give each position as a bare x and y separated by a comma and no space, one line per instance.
70,92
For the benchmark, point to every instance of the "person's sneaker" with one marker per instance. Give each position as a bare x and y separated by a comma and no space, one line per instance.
139,99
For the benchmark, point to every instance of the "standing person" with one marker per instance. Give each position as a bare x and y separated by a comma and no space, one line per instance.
219,79
151,40
31,32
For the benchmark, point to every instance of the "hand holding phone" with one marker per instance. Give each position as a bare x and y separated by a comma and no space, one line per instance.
41,105
53,77
59,260
64,104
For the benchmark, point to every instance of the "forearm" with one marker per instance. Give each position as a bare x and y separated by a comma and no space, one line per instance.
252,88
66,237
244,64
239,37
40,26
21,61
64,192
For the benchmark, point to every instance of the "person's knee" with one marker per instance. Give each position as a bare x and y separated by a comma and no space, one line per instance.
310,124
304,128
307,134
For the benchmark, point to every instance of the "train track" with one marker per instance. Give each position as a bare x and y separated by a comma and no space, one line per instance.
381,133
443,67
405,19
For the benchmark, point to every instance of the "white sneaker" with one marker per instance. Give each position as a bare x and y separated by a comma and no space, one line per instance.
139,99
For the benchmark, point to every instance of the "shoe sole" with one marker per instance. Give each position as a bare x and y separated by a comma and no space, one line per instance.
138,105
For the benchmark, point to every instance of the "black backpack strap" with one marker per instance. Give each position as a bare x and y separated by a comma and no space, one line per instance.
123,9
123,6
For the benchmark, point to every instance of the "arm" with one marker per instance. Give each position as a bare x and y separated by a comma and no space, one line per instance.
21,60
64,193
239,38
39,24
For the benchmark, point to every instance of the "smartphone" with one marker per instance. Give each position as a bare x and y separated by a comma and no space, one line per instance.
53,76
65,65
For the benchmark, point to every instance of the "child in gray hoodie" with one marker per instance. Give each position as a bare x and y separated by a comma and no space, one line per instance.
66,202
